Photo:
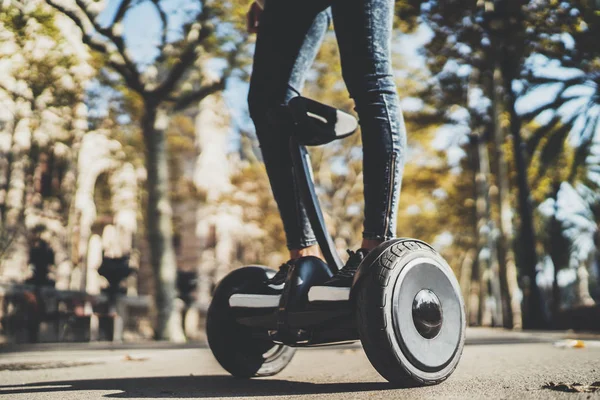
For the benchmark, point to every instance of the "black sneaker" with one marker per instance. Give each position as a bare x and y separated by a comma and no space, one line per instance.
265,295
338,287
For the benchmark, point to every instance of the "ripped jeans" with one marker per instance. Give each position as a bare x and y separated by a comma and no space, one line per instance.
289,37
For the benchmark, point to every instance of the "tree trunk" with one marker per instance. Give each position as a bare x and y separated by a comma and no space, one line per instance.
511,308
489,287
582,288
533,313
475,299
485,229
159,226
476,296
556,303
466,272
557,245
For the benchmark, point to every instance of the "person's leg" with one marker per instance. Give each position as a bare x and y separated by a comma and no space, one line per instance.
364,29
290,34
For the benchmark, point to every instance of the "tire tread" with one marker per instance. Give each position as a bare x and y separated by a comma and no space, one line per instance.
373,329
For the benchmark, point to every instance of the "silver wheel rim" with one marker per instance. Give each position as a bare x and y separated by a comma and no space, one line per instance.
435,353
273,353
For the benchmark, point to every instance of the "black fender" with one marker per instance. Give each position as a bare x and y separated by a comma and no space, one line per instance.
238,279
371,258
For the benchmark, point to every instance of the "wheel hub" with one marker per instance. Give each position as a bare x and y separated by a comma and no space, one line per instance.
427,314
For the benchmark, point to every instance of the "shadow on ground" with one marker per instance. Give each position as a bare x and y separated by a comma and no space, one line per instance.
192,387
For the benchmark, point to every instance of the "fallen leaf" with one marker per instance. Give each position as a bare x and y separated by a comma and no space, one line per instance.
570,344
573,387
131,358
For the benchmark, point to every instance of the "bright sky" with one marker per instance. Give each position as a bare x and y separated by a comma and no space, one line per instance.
142,25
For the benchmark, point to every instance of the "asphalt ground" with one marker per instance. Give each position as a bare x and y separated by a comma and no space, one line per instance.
495,364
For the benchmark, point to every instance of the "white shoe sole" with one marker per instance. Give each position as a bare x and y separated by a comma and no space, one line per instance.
254,300
328,293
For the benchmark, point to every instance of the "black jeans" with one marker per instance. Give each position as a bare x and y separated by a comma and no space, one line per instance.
289,37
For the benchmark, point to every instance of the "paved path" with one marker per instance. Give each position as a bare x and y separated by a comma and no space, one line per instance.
494,365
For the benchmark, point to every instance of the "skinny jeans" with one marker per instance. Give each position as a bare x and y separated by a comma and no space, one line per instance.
289,36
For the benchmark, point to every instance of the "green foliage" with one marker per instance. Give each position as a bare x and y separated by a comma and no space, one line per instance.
549,19
41,124
566,35
13,19
41,72
407,14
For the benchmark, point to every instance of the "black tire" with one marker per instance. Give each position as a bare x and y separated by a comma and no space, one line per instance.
376,317
232,344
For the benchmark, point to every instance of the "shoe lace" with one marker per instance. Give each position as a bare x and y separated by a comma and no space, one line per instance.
351,266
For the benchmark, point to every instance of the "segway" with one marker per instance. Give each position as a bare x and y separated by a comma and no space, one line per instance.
404,305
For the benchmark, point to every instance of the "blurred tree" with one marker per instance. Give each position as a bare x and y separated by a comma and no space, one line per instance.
565,66
180,76
504,23
42,121
582,229
182,152
253,194
573,213
464,98
480,46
